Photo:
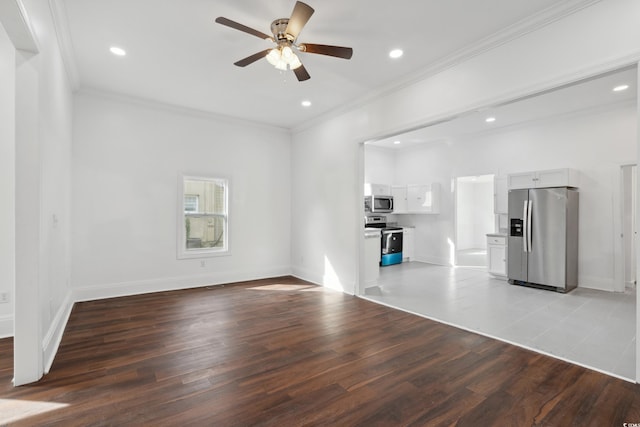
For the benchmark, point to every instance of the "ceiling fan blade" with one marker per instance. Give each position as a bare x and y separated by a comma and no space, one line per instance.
323,49
301,73
299,17
244,28
251,59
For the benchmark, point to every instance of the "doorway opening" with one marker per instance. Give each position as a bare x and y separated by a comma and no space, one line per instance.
474,219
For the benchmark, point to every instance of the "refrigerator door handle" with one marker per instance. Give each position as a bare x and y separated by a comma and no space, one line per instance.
524,226
529,225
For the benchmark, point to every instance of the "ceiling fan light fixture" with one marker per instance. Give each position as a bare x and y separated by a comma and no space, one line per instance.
295,62
281,65
287,53
273,57
283,58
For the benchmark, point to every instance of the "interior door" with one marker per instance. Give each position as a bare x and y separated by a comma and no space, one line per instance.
547,259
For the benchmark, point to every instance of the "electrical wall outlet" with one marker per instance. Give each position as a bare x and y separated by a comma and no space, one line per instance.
4,297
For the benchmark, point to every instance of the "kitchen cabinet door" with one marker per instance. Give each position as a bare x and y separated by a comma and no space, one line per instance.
423,198
372,259
557,178
543,179
380,189
376,189
497,256
408,243
399,193
501,196
521,180
497,260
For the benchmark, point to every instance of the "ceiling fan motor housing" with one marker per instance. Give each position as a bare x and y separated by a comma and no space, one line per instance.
279,30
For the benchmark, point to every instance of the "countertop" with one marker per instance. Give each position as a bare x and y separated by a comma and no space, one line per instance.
496,234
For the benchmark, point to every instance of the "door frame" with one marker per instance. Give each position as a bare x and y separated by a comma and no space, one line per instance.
619,284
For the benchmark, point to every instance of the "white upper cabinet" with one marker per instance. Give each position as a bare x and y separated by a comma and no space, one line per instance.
423,198
542,179
399,193
500,195
377,189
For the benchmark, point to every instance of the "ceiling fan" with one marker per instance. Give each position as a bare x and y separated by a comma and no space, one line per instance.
285,34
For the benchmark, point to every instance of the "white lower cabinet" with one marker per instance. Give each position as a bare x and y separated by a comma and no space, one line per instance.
497,255
371,257
408,243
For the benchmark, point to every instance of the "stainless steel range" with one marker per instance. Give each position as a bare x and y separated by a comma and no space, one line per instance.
391,245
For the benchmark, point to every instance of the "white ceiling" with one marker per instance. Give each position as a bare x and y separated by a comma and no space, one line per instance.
177,55
589,95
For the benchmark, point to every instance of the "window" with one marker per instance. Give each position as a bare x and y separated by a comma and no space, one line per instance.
203,220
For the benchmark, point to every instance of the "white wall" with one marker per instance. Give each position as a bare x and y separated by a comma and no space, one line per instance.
55,133
379,165
127,158
7,180
42,144
326,179
327,190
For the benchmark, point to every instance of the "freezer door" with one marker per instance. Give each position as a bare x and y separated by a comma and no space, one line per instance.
548,252
516,256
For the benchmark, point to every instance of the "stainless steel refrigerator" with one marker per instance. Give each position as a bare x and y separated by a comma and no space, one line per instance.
543,238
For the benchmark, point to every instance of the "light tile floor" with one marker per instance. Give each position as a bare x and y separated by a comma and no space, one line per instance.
592,328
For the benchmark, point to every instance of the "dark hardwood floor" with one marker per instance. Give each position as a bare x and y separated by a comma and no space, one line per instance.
281,352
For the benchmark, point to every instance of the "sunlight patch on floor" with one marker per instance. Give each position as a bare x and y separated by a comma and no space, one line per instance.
12,411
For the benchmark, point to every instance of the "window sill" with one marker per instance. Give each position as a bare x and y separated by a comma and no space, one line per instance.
203,253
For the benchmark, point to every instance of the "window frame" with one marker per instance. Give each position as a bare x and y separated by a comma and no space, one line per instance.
182,251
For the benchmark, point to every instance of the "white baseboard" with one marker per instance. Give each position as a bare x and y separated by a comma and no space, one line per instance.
598,283
323,280
6,326
307,275
434,260
52,339
113,290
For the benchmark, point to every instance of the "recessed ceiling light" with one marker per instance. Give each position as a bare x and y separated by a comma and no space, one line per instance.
620,88
306,103
396,142
118,51
490,119
396,53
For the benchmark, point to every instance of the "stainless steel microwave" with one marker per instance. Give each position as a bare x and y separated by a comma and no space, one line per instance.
378,204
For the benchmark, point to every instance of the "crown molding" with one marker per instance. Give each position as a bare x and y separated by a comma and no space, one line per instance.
528,25
15,20
176,109
61,27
